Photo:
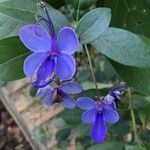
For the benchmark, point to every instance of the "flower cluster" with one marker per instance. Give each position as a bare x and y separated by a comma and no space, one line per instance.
101,112
52,54
52,59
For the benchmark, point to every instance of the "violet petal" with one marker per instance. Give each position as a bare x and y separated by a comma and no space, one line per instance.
32,62
65,66
85,103
71,87
111,116
67,40
35,38
44,73
89,116
43,91
48,99
68,102
99,130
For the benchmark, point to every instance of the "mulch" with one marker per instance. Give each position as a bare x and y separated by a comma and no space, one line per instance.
11,137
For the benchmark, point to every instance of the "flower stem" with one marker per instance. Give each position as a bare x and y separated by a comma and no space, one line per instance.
133,117
88,55
78,9
92,70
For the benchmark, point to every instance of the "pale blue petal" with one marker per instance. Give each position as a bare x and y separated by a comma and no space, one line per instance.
89,116
71,87
65,66
32,62
85,103
35,38
111,116
67,40
68,102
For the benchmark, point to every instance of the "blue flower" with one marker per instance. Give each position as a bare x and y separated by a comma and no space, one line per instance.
52,54
115,95
60,94
97,114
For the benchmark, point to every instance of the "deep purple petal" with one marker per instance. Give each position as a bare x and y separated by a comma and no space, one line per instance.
44,73
111,116
48,99
68,102
85,103
65,67
32,62
89,116
71,87
99,130
35,38
67,40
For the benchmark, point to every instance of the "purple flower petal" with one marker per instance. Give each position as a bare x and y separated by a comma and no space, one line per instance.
68,102
111,116
44,73
71,87
32,62
89,116
85,103
48,99
67,40
43,91
35,38
99,130
65,66
110,100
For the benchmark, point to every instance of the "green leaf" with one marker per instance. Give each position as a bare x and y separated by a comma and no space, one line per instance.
84,4
42,134
108,146
116,129
134,77
124,47
55,3
58,19
14,14
93,24
63,134
134,147
12,57
33,91
132,15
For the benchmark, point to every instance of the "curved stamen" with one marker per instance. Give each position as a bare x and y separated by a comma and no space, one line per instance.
47,23
43,6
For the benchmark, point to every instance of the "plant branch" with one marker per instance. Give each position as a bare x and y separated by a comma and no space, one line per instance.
92,70
133,117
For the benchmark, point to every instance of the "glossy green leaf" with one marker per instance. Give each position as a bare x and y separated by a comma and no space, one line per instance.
108,146
14,14
58,19
134,77
124,47
12,57
132,15
93,24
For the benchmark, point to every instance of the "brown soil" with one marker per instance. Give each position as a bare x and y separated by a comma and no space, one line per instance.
11,138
